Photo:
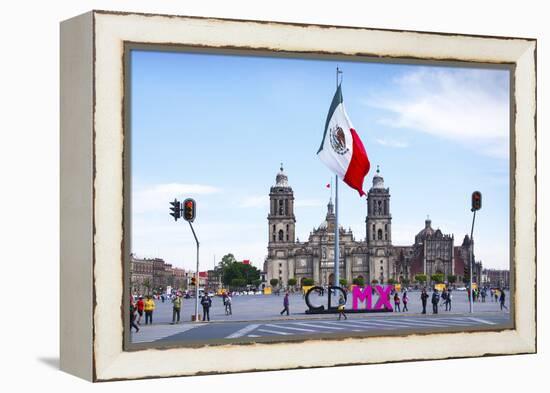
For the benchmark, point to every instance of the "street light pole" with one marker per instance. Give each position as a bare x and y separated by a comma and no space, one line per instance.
472,263
197,283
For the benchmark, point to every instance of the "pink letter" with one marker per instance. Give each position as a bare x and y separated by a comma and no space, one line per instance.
362,295
383,297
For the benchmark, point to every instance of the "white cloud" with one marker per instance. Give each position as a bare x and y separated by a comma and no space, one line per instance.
392,143
156,197
468,106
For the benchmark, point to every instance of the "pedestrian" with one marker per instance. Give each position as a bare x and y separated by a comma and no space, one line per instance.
176,309
424,297
502,300
285,305
224,298
435,300
483,294
228,310
396,302
140,306
496,295
133,315
448,300
405,301
149,307
206,302
342,307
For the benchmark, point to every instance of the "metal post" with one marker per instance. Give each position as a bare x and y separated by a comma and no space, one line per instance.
472,264
197,283
336,241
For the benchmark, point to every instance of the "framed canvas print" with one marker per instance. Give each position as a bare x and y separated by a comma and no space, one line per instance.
290,196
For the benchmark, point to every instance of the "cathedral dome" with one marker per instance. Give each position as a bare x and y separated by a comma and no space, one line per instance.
281,179
427,231
377,180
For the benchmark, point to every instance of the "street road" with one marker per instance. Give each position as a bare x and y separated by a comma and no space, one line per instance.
257,318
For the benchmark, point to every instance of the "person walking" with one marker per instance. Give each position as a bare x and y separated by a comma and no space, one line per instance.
149,307
176,309
405,301
206,302
435,300
285,305
140,305
448,300
228,310
496,295
133,315
396,302
342,307
424,297
502,300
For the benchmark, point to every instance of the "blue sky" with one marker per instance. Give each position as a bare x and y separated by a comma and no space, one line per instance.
217,127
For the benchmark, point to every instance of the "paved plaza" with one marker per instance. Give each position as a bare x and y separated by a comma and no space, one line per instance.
257,316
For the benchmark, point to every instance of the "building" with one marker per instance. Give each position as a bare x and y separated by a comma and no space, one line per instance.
374,258
155,275
496,278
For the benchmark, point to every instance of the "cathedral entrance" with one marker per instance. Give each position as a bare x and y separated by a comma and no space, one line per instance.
330,279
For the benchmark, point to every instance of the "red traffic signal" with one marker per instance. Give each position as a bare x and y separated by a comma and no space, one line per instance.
476,200
189,209
193,281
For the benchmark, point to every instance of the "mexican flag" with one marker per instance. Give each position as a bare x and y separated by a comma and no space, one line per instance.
341,149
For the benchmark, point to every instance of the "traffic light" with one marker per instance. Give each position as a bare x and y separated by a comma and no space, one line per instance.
189,209
176,209
193,281
476,200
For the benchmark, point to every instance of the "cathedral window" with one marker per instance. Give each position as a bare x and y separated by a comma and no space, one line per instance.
287,236
385,207
281,208
273,233
380,234
286,207
281,235
379,207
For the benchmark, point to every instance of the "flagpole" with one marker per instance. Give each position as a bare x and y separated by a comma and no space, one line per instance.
336,239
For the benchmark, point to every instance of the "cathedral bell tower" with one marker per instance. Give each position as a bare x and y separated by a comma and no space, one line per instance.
281,219
378,224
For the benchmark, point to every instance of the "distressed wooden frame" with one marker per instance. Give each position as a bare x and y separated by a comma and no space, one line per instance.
92,190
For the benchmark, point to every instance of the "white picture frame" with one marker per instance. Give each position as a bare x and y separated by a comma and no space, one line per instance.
92,192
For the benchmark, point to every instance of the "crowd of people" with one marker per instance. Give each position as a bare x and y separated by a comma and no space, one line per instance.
140,306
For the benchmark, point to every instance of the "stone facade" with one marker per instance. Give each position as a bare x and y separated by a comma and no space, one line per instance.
154,275
372,258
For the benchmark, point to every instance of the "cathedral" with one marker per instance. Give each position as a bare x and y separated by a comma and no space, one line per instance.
371,258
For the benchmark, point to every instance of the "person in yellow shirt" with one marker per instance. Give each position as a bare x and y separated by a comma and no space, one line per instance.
149,307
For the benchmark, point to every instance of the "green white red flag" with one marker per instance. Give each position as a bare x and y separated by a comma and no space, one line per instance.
341,148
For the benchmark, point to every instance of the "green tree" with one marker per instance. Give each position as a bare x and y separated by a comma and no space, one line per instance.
438,278
451,278
405,281
273,282
257,283
391,281
291,282
359,281
343,282
238,283
230,269
306,282
421,278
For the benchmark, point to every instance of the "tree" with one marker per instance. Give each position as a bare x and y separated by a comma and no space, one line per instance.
375,281
273,282
238,283
405,281
291,282
307,282
343,282
359,281
257,283
438,278
391,281
421,278
451,278
230,269
147,284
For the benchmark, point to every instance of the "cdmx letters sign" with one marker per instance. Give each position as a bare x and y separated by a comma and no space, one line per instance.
361,299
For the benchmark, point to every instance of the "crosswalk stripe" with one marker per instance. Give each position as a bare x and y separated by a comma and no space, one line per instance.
482,321
345,323
317,326
274,332
243,331
291,328
449,321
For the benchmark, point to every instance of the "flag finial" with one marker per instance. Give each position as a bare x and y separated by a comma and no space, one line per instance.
378,169
281,166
